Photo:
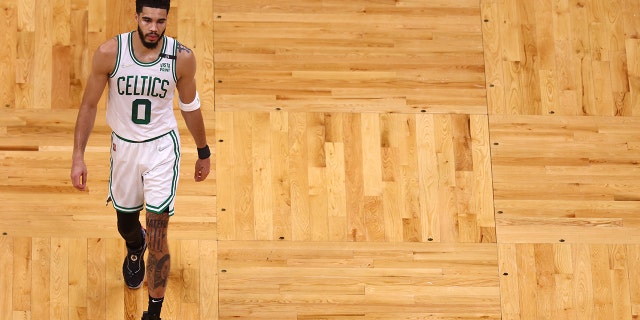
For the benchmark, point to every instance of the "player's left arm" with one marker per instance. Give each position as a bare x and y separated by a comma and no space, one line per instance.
190,109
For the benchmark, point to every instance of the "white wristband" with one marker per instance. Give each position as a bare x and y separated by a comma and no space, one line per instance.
192,106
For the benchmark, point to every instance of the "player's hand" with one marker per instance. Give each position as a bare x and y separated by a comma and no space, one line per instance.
79,174
203,166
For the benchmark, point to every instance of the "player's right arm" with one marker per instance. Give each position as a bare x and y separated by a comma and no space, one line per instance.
102,65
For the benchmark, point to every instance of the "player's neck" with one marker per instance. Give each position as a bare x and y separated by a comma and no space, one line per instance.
143,53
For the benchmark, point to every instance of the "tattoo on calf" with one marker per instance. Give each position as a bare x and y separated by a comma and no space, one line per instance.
160,270
158,233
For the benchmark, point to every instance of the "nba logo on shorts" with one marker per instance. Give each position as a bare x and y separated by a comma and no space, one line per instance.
114,147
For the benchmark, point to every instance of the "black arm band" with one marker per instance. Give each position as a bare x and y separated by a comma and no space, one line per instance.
204,153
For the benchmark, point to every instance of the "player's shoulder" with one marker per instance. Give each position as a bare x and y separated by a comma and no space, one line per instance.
105,55
108,49
183,52
185,61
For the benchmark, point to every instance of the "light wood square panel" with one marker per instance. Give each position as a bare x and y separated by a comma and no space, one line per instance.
571,179
569,58
322,280
81,278
36,191
569,281
349,56
353,177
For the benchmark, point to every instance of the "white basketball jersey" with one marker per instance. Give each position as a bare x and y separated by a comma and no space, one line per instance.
140,104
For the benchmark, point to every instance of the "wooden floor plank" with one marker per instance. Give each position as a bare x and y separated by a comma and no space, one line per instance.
6,278
115,251
208,279
78,258
632,263
96,278
41,278
509,285
22,271
59,278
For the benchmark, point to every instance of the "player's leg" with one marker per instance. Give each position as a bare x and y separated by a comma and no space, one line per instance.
158,260
160,184
131,230
126,192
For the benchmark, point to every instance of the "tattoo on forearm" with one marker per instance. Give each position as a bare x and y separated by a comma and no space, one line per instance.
158,235
181,48
159,270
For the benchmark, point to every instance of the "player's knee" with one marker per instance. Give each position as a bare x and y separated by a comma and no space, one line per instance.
157,220
129,227
157,227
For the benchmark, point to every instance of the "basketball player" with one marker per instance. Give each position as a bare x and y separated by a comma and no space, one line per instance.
143,68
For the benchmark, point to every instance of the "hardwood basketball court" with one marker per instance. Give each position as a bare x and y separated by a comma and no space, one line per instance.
405,159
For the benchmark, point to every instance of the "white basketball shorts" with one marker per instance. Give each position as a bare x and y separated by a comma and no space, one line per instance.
145,174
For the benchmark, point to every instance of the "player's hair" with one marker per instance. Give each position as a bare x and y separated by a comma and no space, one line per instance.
159,4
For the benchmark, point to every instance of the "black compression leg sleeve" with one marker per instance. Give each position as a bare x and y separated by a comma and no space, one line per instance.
129,227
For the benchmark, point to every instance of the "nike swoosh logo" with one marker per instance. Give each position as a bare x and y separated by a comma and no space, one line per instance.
126,65
161,148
